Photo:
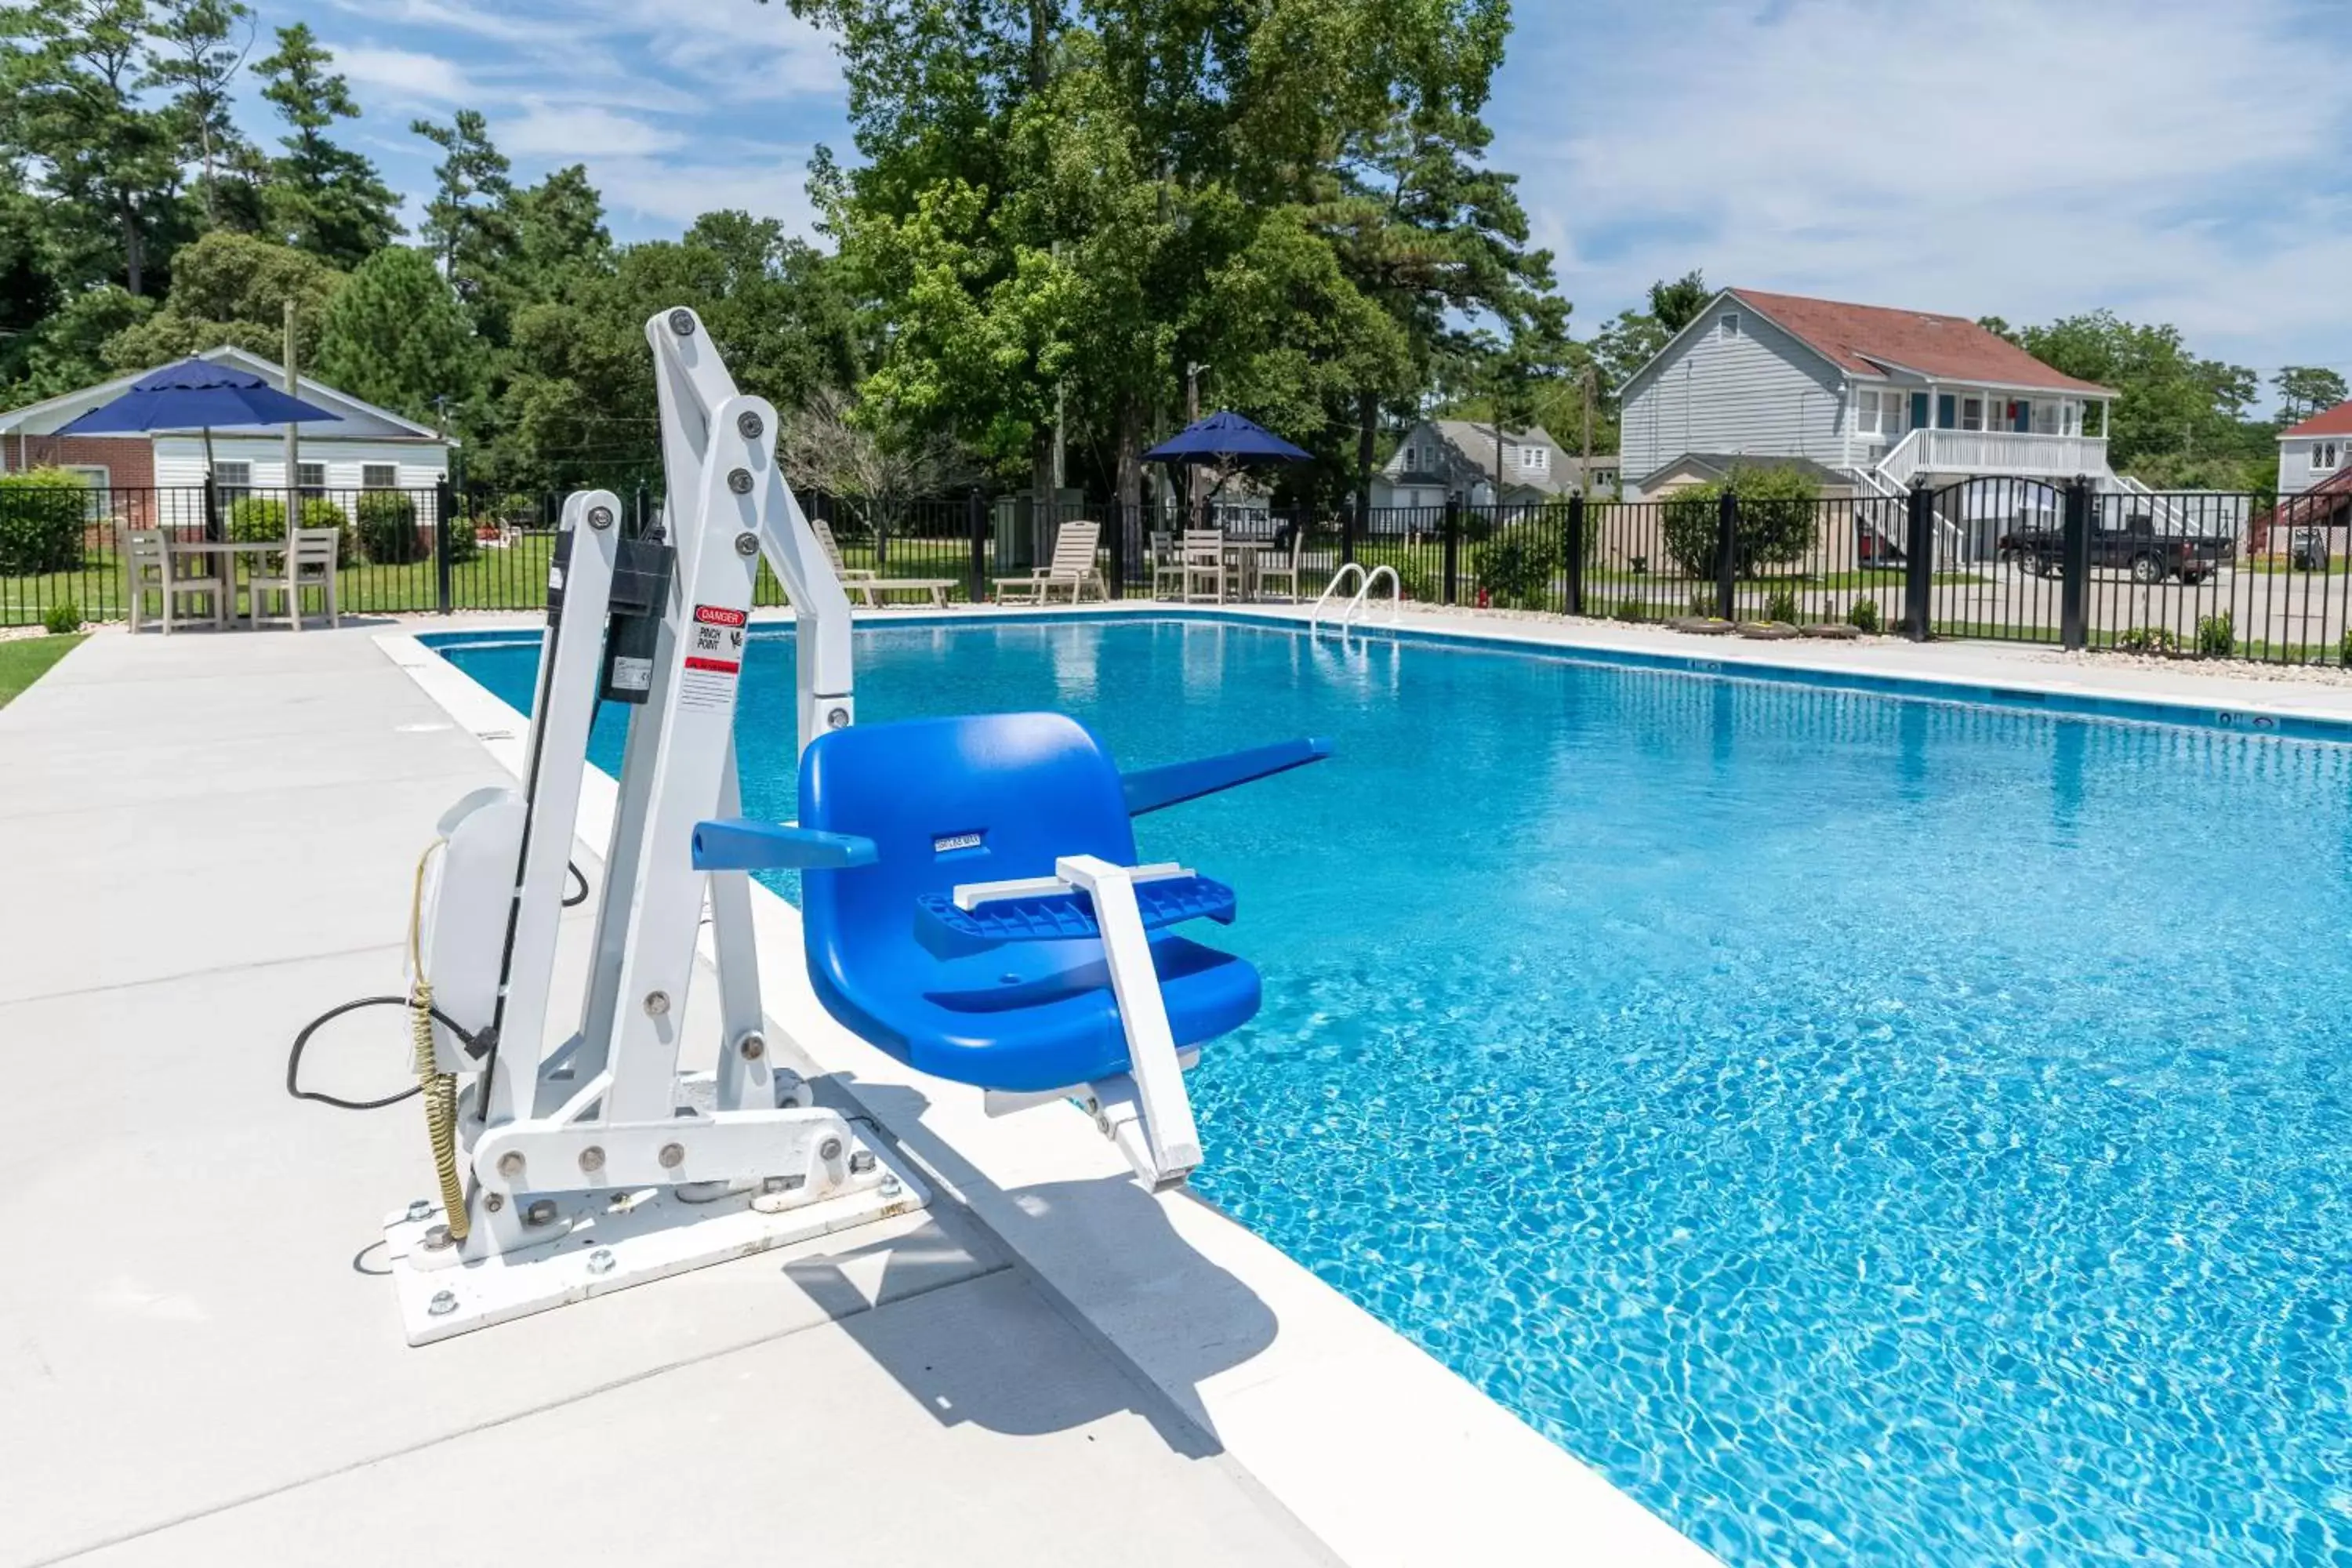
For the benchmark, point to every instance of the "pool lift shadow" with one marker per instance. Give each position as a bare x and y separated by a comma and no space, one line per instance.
1205,1323
971,906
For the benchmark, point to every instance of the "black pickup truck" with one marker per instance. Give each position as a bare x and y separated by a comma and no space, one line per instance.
2137,547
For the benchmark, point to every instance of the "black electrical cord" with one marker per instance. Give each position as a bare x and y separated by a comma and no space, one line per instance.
574,870
303,1041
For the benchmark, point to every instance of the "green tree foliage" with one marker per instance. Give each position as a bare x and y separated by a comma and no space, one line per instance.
70,351
577,401
1675,305
69,107
2305,390
1776,525
468,223
232,289
195,51
322,197
394,334
2172,406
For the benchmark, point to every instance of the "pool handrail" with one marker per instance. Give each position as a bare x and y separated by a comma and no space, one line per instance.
1361,601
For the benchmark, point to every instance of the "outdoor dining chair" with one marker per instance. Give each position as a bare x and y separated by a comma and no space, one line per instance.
1281,572
1166,566
309,563
1204,560
148,561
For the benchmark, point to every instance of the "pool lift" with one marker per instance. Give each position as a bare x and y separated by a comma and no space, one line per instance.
971,905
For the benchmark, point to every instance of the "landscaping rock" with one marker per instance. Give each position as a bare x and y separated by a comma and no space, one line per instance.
1838,630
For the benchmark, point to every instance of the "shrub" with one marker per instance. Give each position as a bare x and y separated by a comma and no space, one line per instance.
41,518
2216,638
2344,648
387,528
258,518
1862,615
63,616
2148,639
1416,582
1632,610
1782,606
1776,521
1703,601
1517,569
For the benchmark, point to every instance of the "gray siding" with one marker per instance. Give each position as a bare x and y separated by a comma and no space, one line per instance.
1757,392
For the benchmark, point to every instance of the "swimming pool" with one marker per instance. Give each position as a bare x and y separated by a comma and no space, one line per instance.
1869,1131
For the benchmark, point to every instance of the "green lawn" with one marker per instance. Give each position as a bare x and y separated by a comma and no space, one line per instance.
24,660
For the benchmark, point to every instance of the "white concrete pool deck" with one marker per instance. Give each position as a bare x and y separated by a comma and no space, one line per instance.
209,840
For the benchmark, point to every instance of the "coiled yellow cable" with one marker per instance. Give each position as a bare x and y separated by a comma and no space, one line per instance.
439,1090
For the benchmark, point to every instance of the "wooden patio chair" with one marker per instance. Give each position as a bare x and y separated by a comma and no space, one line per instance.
1073,567
865,584
1203,558
1281,572
309,563
1166,566
148,565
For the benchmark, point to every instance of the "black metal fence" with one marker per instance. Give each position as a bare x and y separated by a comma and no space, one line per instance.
2073,565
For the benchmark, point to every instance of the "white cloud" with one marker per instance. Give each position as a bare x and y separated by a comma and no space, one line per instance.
574,131
734,51
676,193
2006,157
404,73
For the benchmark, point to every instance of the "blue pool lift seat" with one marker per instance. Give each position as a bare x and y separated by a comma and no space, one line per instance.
1012,994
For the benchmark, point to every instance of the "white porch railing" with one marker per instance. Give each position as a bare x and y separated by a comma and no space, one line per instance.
2018,454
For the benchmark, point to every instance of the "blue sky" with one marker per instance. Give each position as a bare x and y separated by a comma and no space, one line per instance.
2177,160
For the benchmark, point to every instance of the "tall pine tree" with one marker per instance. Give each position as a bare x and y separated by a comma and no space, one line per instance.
394,335
324,198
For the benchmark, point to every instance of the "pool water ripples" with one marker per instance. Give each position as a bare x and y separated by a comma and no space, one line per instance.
1871,1132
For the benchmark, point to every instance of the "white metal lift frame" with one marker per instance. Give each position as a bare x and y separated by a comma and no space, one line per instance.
600,1164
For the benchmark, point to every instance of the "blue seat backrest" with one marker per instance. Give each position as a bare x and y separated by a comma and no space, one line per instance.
982,799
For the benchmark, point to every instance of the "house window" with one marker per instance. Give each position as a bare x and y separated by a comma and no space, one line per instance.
234,478
1536,459
1412,460
1972,414
310,476
379,476
1731,323
1878,413
94,476
2325,456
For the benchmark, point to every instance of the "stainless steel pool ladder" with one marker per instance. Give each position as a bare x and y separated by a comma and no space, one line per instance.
1360,603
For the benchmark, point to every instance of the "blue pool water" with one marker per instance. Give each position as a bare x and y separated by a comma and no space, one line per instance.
1870,1131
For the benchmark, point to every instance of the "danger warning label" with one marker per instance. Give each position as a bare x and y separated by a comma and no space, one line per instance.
714,658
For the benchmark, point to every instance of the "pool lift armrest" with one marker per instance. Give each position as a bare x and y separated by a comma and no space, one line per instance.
1144,1110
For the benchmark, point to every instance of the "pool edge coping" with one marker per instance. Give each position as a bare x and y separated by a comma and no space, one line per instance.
1335,1410
2063,690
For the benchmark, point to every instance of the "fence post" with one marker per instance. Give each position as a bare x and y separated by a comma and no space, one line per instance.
1348,524
2074,566
976,519
445,518
1453,547
1575,556
1116,587
1918,561
1726,555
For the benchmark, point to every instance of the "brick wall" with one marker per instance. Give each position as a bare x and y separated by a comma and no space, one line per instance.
129,460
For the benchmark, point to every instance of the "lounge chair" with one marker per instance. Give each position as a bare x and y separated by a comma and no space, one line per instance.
867,585
1073,567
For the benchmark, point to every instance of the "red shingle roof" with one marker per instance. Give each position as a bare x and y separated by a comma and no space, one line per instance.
1867,339
2336,421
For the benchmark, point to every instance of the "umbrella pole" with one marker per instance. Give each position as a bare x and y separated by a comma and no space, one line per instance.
211,492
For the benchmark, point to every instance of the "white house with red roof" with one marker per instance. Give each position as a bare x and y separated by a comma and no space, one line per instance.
1884,396
2318,452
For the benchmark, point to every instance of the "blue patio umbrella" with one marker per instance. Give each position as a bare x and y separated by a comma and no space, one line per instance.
1225,436
198,394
